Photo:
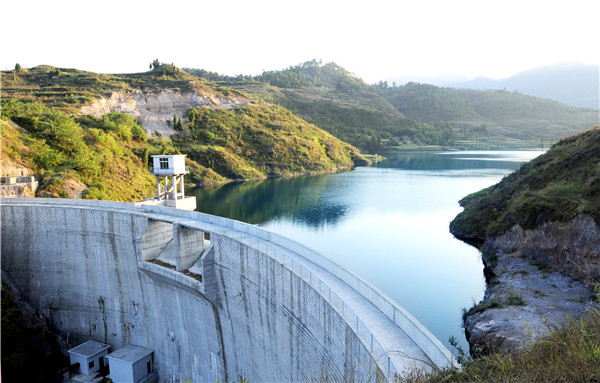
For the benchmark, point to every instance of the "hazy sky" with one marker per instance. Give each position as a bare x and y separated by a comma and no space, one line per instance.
374,39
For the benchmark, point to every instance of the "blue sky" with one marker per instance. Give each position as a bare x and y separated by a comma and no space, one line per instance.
374,39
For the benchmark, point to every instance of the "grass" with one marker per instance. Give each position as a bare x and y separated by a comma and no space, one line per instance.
556,186
570,353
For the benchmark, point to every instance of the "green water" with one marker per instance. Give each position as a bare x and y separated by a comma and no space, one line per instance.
387,223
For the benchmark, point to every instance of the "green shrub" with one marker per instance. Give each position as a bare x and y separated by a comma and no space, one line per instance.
95,192
570,353
45,157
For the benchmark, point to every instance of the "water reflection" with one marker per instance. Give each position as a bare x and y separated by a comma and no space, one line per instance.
303,200
459,160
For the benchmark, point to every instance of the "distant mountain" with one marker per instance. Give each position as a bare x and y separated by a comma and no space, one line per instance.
570,84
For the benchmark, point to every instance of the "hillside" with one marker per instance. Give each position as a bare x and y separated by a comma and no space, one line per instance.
379,117
556,186
491,115
77,158
332,98
66,124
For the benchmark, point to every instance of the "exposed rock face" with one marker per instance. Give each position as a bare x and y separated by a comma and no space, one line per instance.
536,280
16,191
572,248
154,109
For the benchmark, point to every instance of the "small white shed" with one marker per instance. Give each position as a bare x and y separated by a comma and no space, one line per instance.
131,364
90,355
169,164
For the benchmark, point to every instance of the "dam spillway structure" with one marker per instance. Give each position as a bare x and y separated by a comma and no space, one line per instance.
217,299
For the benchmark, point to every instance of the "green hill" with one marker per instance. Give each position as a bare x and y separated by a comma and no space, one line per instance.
556,186
491,114
262,140
379,117
69,89
332,98
45,133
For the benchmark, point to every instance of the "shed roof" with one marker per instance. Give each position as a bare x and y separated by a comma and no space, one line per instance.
89,348
130,354
168,155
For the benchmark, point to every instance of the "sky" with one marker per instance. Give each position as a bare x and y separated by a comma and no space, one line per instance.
374,39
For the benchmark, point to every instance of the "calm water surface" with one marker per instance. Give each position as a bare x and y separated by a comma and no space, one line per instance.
387,223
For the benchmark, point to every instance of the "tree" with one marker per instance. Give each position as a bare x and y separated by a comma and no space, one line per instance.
17,69
192,117
145,156
179,125
155,64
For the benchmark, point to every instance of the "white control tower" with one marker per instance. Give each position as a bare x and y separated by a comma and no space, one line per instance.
169,170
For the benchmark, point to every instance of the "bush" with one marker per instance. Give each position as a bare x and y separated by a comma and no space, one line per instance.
45,157
567,354
95,192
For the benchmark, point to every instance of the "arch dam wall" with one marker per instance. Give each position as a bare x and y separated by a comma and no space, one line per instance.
215,298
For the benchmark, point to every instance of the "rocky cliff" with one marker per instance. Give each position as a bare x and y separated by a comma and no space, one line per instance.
540,239
536,280
153,109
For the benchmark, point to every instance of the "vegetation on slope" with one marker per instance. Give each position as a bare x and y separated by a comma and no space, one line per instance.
84,157
567,354
497,114
379,117
259,141
69,89
337,101
107,157
556,186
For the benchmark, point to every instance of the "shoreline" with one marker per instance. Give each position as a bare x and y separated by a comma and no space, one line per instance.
531,284
340,169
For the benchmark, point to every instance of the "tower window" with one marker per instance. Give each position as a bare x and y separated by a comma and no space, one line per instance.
164,163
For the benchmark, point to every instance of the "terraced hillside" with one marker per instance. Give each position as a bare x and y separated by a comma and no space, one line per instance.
66,121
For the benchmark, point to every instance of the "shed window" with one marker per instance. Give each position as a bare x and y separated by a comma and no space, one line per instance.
164,163
91,364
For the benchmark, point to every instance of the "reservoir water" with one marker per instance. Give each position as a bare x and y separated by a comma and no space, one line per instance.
387,223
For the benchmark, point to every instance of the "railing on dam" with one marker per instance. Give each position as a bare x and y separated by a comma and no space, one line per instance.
283,250
341,307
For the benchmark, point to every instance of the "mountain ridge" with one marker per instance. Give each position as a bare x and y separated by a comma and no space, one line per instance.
573,84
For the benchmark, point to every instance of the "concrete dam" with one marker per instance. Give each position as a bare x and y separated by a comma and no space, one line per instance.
216,299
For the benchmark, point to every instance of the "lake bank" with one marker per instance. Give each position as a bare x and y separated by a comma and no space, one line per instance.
540,237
